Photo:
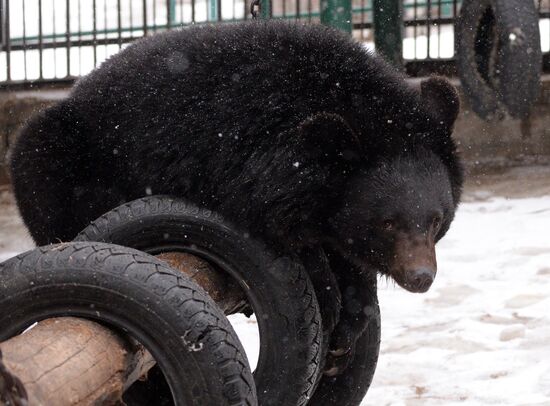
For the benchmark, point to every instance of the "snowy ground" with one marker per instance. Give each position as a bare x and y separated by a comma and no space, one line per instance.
481,335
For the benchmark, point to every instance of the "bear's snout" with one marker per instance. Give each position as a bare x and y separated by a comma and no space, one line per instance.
419,280
414,265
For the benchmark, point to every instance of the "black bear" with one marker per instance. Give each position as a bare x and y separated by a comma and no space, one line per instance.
294,132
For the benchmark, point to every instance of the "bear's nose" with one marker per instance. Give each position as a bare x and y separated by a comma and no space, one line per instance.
421,279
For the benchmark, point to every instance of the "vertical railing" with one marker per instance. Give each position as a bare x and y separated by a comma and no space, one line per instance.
266,10
337,14
171,13
6,39
213,10
40,43
63,43
388,29
68,36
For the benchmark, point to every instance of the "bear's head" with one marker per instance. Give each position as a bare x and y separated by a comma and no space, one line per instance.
392,216
397,204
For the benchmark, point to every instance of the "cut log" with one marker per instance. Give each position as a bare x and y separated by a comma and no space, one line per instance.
71,361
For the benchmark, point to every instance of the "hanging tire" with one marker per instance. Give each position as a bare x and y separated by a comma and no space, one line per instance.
278,289
499,59
138,294
349,388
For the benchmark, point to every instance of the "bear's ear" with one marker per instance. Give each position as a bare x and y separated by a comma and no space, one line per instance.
441,97
327,136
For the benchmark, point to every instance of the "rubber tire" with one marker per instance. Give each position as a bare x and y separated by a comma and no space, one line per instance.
519,62
138,294
278,288
350,388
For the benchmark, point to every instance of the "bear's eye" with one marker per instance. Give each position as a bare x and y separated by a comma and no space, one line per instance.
388,224
436,222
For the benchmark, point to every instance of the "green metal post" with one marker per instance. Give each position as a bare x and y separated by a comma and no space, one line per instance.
213,10
171,13
337,14
388,29
265,9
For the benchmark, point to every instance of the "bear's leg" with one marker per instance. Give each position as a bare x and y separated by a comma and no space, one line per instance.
355,286
325,284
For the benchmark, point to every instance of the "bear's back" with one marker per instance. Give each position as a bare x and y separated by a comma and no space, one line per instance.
262,76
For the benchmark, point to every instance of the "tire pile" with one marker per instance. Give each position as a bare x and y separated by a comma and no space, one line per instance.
112,273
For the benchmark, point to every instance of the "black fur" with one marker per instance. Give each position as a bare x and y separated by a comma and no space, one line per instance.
270,123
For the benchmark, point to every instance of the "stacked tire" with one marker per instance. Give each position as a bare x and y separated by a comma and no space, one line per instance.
193,343
110,274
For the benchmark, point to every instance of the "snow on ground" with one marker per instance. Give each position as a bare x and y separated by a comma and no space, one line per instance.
481,335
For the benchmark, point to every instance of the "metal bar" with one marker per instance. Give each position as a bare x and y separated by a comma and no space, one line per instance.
388,29
68,36
105,24
119,23
94,29
413,5
24,39
33,84
415,28
213,10
1,25
131,18
438,28
337,14
80,39
7,38
429,25
192,11
363,19
40,48
55,46
455,15
74,43
144,17
424,21
155,15
170,13
266,10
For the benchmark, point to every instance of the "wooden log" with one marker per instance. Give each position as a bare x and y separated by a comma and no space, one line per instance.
69,361
12,391
72,361
220,286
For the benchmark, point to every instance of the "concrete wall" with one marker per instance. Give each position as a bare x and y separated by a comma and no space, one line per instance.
507,142
15,109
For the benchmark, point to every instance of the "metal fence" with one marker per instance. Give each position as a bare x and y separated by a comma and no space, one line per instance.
59,40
